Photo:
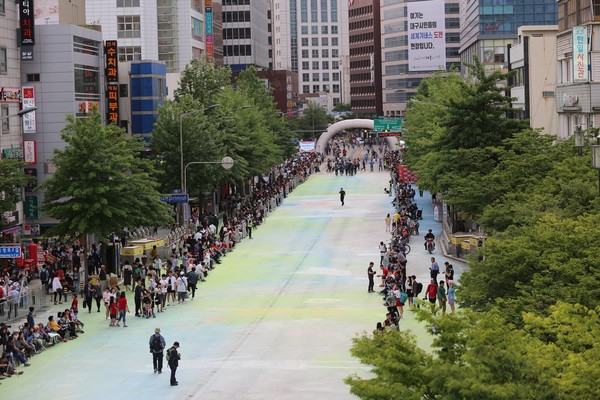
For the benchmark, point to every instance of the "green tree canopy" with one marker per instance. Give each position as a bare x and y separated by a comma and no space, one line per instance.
101,183
12,181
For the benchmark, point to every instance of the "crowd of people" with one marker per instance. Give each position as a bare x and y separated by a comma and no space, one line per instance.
346,157
399,289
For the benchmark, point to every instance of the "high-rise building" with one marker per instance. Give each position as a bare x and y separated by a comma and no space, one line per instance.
311,37
418,38
172,31
245,34
365,57
488,26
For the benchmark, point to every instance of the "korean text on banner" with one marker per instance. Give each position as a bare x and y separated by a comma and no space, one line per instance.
426,35
307,147
28,101
580,54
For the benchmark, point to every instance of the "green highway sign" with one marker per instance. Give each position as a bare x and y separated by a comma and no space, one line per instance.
387,124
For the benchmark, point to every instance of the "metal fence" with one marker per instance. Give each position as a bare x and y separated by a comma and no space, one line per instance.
11,309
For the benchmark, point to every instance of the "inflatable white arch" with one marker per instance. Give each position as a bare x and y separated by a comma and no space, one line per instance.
326,136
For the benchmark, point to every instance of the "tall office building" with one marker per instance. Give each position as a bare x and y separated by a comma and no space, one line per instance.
245,34
311,37
365,57
488,26
418,38
172,31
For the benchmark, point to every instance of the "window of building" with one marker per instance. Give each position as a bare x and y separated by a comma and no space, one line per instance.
326,88
324,41
87,82
325,64
336,76
305,77
197,29
452,23
304,53
314,12
86,46
325,76
128,26
2,8
315,77
304,29
315,53
325,53
3,65
128,3
130,53
316,89
305,88
335,53
314,41
5,119
336,88
334,41
305,65
314,30
451,8
324,29
335,65
315,65
334,30
33,77
304,41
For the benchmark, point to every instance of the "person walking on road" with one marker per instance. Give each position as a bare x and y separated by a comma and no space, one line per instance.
342,195
434,270
173,358
371,276
249,226
157,346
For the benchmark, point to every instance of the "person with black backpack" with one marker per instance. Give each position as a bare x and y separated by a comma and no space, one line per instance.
157,345
173,358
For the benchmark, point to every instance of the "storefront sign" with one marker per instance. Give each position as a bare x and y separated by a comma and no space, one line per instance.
112,104
29,152
15,153
111,73
580,54
31,207
28,101
10,95
208,24
26,22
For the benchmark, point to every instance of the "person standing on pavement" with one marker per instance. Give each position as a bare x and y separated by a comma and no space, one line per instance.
57,288
192,277
342,195
138,298
434,269
451,295
157,345
441,297
432,290
173,358
249,226
88,294
123,309
371,276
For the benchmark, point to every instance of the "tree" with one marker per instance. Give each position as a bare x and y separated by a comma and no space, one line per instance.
101,183
12,181
342,107
202,81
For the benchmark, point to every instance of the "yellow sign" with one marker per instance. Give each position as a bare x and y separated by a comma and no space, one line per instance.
465,245
132,251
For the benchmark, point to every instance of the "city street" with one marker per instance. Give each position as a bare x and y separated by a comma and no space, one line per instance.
275,320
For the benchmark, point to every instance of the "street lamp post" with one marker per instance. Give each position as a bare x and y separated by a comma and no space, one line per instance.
596,159
226,162
181,166
579,140
19,114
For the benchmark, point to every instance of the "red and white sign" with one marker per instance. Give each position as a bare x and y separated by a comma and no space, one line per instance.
29,152
307,147
28,101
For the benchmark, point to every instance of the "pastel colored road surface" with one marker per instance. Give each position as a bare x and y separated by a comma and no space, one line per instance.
274,321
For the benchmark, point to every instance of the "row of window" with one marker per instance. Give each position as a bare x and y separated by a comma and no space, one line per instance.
360,51
129,53
237,50
129,26
363,90
403,68
324,88
236,2
367,103
402,55
335,65
361,37
364,77
316,77
314,29
364,24
128,3
361,64
315,41
324,53
236,16
356,12
238,33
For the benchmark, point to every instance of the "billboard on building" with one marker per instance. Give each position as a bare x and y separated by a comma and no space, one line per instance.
28,101
580,54
46,12
426,35
208,24
26,22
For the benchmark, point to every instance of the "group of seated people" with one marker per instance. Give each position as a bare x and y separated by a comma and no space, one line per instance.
29,339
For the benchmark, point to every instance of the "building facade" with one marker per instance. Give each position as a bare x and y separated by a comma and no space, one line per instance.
245,34
67,77
310,37
488,26
533,85
365,57
400,79
578,88
147,91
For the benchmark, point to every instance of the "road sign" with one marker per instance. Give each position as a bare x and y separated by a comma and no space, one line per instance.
387,125
175,198
10,251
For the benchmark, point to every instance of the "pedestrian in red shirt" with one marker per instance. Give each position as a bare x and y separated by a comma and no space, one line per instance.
432,291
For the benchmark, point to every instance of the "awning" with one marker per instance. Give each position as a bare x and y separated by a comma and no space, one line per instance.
12,229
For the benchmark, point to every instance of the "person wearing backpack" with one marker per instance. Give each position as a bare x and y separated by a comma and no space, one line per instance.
157,345
173,358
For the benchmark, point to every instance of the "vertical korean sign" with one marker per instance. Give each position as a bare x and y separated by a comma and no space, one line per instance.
208,23
28,101
426,35
26,22
111,75
29,152
580,54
